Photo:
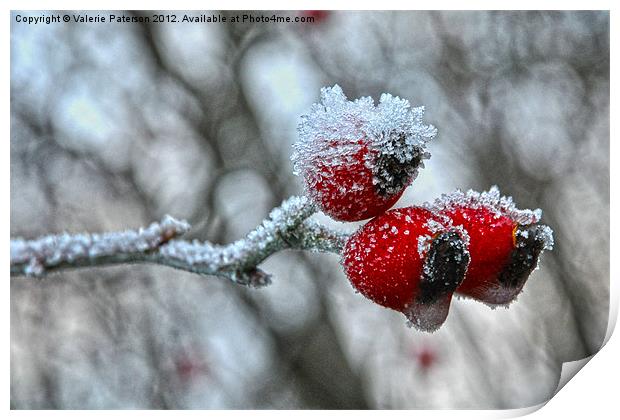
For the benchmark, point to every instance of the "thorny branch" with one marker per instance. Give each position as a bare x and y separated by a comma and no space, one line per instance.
286,227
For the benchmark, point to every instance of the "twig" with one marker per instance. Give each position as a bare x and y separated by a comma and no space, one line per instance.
285,228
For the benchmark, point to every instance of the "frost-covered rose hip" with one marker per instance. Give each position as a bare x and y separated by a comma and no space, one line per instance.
504,243
355,158
408,260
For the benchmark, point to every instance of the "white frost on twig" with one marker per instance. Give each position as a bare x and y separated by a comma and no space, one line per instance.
53,250
286,227
239,259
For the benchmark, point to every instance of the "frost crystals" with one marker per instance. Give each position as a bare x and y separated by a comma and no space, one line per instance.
286,227
335,129
492,200
54,250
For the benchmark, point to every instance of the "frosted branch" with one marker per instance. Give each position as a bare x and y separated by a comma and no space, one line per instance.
285,228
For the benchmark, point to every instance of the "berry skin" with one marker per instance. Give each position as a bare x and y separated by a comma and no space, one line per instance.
504,244
407,260
355,158
346,192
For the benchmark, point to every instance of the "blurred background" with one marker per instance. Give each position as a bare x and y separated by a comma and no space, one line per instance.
115,125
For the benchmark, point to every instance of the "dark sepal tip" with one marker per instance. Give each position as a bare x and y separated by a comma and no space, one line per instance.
444,268
529,243
394,174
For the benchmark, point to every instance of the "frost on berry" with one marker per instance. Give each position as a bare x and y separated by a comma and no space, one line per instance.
491,200
383,262
439,224
505,242
357,158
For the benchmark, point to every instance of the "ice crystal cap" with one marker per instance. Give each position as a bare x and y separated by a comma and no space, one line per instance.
333,128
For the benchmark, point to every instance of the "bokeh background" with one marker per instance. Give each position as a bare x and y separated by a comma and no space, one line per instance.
115,125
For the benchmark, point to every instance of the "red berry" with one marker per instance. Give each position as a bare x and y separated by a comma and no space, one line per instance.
490,246
346,192
318,15
426,358
190,366
407,260
356,159
504,243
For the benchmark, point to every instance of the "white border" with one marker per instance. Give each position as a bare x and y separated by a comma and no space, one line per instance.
592,394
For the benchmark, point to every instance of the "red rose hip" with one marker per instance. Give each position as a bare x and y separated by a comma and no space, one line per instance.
345,191
410,261
355,158
504,243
